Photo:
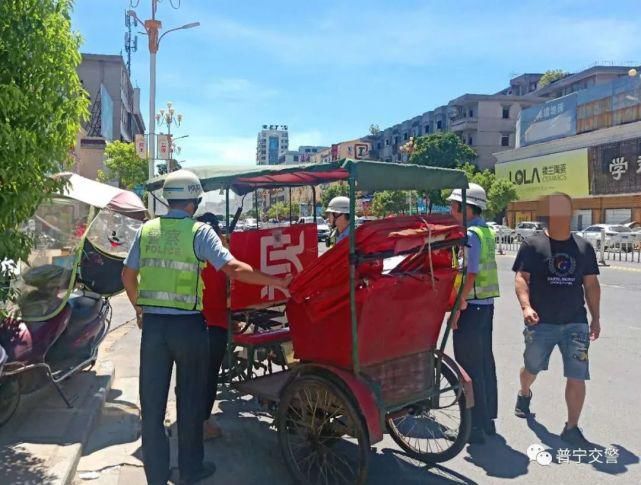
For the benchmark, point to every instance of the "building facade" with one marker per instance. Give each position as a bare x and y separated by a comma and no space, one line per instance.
302,155
586,144
114,106
487,123
272,143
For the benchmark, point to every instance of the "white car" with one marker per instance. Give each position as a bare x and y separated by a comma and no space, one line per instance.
505,233
321,226
250,223
525,229
617,236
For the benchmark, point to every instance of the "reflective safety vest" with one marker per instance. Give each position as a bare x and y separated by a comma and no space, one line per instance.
170,272
486,283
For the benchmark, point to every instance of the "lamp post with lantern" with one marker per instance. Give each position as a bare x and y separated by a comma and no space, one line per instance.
168,117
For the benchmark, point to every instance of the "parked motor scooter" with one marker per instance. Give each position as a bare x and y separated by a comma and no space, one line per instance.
63,294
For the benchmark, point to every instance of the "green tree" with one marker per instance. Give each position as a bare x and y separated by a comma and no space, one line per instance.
280,211
499,196
333,190
374,129
42,104
124,165
444,150
500,192
551,76
389,202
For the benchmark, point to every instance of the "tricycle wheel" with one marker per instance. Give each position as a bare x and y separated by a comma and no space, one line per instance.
9,398
321,433
434,433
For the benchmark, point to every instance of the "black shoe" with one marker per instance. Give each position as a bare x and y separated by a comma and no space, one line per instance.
490,429
522,408
575,437
207,470
477,437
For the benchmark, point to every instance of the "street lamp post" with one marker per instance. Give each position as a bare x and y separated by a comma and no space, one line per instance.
169,118
152,27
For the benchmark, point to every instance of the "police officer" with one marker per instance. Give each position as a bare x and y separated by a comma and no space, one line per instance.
162,277
473,327
338,215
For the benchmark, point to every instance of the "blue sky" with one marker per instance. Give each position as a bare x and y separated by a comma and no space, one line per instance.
330,68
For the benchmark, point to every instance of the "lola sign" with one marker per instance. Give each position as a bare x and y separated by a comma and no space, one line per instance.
558,172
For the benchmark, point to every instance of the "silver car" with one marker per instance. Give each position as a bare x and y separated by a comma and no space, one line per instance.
526,229
617,236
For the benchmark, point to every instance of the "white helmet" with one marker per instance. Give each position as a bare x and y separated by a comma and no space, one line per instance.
182,185
338,205
475,195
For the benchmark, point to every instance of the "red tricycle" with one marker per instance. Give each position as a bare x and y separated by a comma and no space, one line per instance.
364,319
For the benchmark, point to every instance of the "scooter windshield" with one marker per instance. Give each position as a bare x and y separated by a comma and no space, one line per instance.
113,233
46,279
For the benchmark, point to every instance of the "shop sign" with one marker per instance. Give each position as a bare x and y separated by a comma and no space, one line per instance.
615,168
535,177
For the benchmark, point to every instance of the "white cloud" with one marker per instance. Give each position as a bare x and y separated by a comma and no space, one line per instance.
352,37
219,150
237,90
310,138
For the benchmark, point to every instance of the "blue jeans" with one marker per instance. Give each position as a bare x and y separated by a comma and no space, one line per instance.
473,351
573,340
169,339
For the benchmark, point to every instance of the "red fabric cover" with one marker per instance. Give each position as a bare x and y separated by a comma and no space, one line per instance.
398,314
214,297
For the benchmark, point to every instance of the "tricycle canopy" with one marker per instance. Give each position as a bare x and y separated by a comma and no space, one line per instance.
102,196
367,175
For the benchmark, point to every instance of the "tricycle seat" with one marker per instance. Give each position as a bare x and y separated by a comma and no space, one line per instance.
405,273
263,338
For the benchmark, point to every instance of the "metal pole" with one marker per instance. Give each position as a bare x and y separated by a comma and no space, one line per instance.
314,202
352,274
602,252
256,207
230,332
290,206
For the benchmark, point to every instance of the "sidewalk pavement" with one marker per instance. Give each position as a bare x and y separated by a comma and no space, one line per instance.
43,441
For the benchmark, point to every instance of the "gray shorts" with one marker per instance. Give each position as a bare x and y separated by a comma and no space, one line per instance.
573,340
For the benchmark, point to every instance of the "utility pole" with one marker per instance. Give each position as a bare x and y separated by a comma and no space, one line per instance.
152,27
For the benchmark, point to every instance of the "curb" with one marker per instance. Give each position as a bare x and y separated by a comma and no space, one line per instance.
86,421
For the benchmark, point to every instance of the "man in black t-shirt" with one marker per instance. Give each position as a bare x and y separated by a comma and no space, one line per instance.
556,274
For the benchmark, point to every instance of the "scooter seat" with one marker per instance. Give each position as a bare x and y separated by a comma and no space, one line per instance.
84,309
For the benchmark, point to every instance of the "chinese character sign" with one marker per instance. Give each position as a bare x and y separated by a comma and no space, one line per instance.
163,147
277,252
141,146
615,168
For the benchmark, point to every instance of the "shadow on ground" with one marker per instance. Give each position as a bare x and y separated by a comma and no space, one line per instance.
597,456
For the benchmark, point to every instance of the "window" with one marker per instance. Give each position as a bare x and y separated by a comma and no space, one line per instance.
295,158
506,113
505,140
427,129
378,145
387,142
396,140
439,125
470,113
470,140
405,136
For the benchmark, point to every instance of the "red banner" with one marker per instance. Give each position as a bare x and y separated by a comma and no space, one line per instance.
278,252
